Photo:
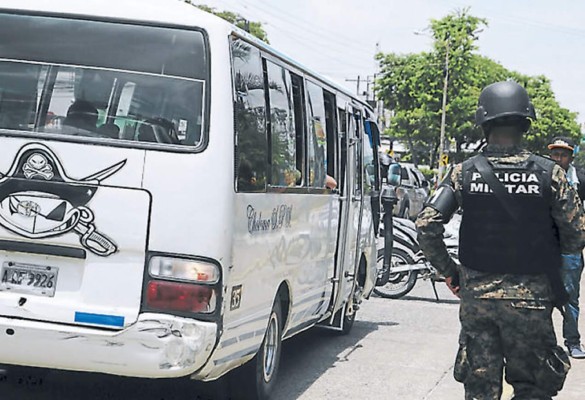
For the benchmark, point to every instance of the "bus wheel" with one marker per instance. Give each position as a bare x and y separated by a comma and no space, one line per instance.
348,319
257,378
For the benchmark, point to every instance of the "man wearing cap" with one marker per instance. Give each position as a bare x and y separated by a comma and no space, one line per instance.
562,150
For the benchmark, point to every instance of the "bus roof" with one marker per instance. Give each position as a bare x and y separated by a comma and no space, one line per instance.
168,12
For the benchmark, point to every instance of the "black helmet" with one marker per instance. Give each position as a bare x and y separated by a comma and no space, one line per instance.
503,99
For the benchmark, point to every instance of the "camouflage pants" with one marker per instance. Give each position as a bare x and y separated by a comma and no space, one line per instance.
516,335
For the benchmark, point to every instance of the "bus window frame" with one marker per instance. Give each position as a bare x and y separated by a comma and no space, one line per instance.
308,125
373,133
342,121
267,162
164,147
357,114
297,120
332,133
341,99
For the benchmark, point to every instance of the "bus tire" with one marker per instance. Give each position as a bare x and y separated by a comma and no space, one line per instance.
348,320
256,379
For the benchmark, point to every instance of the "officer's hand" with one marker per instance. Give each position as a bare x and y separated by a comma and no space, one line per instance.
453,284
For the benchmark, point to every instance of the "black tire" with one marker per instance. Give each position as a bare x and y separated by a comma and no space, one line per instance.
256,379
348,320
401,283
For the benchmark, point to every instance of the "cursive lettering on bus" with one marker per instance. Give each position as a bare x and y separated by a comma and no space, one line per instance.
280,218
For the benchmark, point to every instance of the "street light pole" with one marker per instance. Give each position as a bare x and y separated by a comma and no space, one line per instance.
442,151
442,164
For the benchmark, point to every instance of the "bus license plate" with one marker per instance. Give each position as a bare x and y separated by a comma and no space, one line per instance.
39,280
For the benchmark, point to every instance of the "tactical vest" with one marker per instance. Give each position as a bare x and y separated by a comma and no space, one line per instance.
491,240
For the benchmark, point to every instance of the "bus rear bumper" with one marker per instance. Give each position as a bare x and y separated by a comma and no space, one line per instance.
155,346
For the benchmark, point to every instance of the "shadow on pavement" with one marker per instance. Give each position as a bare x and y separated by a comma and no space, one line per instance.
33,384
305,357
310,354
431,300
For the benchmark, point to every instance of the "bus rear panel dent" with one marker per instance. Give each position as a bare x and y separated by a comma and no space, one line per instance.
156,346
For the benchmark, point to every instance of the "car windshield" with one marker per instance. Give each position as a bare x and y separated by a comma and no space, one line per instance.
102,80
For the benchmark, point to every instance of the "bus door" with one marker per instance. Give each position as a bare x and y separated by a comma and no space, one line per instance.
351,206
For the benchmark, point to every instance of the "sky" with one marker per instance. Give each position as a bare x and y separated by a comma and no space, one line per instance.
339,38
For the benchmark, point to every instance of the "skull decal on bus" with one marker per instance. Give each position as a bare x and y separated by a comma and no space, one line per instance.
39,200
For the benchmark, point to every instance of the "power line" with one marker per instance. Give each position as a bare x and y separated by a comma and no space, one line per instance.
519,20
296,21
311,42
320,50
302,25
316,48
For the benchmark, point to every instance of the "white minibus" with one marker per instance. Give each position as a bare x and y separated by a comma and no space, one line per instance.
176,196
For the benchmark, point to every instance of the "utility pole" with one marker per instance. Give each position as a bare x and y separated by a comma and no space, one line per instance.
442,155
368,81
358,80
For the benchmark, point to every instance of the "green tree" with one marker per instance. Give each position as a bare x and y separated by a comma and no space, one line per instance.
255,28
411,86
551,119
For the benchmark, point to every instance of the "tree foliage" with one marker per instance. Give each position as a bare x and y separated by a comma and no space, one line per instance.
254,28
411,86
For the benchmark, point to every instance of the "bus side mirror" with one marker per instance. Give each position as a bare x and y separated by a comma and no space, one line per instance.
394,175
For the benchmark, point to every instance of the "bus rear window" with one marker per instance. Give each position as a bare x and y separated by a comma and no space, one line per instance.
102,80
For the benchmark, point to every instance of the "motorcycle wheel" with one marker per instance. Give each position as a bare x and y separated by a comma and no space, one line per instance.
401,283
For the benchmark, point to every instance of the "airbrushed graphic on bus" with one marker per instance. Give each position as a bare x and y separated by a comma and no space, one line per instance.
39,200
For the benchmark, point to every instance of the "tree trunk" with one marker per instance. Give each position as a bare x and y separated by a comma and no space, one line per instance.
433,156
412,152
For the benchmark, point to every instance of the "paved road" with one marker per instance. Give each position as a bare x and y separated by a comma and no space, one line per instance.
398,349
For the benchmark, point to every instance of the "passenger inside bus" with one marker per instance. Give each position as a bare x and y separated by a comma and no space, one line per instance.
292,177
158,130
330,182
82,115
246,176
110,130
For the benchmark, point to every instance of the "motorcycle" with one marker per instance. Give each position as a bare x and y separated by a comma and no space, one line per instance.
408,262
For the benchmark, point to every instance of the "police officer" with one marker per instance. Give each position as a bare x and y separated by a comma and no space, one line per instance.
518,210
562,150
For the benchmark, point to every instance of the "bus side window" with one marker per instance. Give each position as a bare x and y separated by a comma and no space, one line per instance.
342,115
359,129
300,126
369,173
317,143
283,137
250,118
331,127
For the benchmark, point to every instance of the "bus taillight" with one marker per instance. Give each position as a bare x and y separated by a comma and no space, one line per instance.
183,297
